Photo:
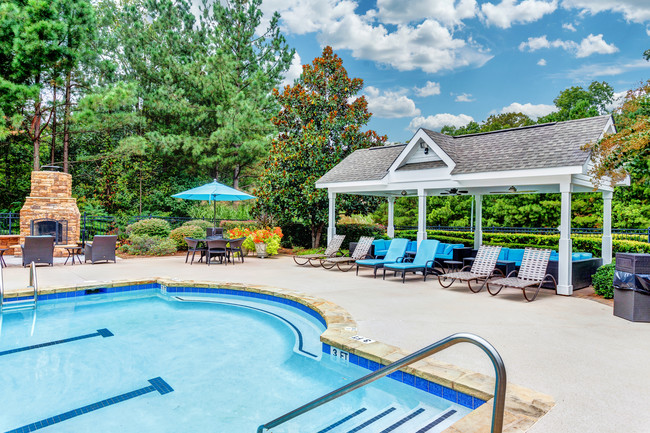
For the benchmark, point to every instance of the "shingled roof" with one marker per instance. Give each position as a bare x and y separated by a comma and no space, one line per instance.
547,145
364,164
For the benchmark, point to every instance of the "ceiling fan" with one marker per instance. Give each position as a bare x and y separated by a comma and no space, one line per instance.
512,190
454,191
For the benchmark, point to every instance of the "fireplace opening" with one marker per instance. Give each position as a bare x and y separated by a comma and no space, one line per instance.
50,227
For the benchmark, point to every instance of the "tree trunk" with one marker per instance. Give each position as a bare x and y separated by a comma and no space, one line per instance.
235,182
66,120
53,146
316,232
36,129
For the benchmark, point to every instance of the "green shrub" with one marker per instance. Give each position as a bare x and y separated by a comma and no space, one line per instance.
603,281
353,232
248,224
149,245
154,227
199,223
179,234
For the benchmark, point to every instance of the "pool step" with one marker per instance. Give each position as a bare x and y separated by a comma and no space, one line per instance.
22,304
391,420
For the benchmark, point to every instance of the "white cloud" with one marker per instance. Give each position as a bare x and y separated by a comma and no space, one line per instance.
464,97
439,120
633,10
428,46
429,89
595,45
530,110
390,104
510,12
595,70
617,100
647,30
588,46
448,12
294,71
542,62
568,26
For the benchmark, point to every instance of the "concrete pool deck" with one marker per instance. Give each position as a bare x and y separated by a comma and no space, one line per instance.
592,363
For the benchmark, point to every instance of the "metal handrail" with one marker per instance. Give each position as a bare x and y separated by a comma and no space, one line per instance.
2,289
497,362
33,282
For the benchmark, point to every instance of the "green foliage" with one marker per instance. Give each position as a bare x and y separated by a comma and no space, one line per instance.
225,211
603,281
250,224
142,244
153,227
318,127
353,232
179,234
199,223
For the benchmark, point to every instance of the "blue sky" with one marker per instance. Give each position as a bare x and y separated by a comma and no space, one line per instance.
427,63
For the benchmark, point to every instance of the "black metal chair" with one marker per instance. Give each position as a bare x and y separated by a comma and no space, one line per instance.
193,246
217,247
38,249
235,247
101,248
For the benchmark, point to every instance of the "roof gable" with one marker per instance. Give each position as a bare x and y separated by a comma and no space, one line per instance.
421,153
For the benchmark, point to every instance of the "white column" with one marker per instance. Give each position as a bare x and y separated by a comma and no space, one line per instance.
331,228
478,222
564,286
422,215
607,227
390,230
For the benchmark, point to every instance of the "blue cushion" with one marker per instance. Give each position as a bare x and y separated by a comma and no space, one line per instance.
395,251
412,247
503,255
554,256
426,252
381,247
516,255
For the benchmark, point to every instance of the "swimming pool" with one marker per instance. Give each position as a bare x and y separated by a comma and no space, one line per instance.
152,360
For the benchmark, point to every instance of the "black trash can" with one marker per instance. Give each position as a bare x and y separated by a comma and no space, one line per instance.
632,287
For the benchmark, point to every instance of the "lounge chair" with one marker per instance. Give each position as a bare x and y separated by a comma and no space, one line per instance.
484,267
424,258
217,247
193,247
38,249
331,251
531,273
101,248
396,251
346,263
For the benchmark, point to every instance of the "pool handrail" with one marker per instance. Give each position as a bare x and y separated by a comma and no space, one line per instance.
2,289
33,281
461,337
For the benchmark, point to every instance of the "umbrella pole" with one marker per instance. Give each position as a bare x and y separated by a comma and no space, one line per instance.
214,214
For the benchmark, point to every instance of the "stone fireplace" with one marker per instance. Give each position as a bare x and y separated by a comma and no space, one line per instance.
50,209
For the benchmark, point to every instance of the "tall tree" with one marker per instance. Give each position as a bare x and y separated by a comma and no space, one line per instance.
577,102
318,127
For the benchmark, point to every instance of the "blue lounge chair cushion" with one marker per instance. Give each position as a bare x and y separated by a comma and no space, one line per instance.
380,247
503,255
396,250
426,253
412,247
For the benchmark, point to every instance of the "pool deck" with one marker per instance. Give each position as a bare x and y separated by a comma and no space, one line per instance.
592,363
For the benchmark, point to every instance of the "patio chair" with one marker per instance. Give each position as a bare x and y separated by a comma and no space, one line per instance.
234,246
217,247
531,273
214,232
38,249
331,251
101,248
346,263
396,251
193,247
483,268
424,258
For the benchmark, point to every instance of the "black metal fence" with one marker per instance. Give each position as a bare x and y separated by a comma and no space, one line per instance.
9,223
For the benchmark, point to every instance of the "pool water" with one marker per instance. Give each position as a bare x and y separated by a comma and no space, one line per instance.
224,366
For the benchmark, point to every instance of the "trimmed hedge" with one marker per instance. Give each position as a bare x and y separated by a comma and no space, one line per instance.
179,234
588,244
199,223
603,281
154,227
298,235
149,245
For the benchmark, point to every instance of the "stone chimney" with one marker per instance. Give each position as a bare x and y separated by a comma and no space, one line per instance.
51,200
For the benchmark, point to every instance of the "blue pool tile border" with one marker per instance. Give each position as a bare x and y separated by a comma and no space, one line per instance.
436,389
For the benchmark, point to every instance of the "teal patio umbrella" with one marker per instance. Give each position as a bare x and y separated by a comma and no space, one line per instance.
214,192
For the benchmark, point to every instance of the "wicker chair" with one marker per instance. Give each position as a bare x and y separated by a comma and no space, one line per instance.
193,247
314,259
483,268
38,249
234,246
346,263
101,248
217,247
531,273
211,232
